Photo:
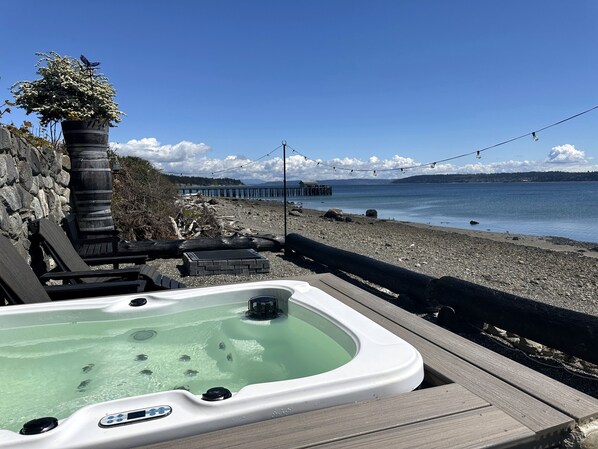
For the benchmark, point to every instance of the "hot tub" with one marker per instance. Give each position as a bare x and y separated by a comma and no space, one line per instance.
130,370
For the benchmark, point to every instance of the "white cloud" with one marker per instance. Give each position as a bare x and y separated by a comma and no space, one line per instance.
565,154
150,148
190,158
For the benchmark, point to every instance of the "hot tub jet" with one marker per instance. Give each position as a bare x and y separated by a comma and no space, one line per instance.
144,335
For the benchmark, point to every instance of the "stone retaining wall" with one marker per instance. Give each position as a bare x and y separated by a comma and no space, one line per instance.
33,184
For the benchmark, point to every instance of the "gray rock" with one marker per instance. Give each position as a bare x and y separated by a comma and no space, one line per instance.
23,148
3,169
295,213
5,139
373,213
15,225
11,171
335,214
4,220
35,162
43,201
66,163
47,182
26,197
63,178
35,185
25,174
36,207
11,199
53,200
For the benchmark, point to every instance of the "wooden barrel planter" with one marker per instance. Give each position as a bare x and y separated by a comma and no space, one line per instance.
91,178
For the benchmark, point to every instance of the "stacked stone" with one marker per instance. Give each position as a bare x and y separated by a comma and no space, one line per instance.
33,184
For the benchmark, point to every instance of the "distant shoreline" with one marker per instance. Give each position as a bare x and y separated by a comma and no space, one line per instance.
552,176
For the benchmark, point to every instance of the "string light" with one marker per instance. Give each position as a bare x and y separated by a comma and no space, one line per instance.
533,134
248,164
477,153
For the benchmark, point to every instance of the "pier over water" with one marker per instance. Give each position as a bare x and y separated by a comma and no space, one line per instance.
256,191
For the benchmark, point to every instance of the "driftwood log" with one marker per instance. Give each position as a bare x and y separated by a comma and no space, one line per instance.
572,332
168,249
392,277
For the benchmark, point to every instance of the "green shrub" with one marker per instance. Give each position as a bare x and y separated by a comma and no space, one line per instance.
143,200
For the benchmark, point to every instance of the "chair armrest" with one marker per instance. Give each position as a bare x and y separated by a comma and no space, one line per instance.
113,232
73,291
125,273
111,260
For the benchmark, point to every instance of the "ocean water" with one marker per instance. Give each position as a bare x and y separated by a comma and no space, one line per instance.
562,209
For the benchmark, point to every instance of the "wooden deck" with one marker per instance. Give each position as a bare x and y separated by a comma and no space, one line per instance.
478,399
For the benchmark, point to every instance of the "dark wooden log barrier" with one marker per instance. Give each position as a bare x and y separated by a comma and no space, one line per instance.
167,249
572,332
392,277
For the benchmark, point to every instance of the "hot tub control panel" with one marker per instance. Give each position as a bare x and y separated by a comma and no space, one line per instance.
133,416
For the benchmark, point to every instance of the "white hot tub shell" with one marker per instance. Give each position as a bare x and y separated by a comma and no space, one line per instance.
382,365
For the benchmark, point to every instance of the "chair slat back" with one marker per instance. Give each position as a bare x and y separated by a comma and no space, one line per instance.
17,281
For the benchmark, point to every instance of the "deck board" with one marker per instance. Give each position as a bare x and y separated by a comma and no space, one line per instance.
569,401
533,413
491,402
489,427
357,420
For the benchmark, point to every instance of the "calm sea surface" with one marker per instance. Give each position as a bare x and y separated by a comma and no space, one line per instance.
564,209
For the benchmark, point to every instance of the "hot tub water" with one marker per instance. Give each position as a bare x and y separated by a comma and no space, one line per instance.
59,368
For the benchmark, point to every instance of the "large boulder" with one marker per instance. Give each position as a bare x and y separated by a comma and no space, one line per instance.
372,213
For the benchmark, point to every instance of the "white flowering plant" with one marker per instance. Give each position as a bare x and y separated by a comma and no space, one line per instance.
67,90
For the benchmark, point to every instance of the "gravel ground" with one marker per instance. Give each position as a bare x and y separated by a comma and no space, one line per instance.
556,271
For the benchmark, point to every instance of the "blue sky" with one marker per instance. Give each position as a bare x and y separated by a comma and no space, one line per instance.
368,85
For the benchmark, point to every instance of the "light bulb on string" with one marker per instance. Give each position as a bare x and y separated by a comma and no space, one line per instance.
433,165
478,155
535,137
375,174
